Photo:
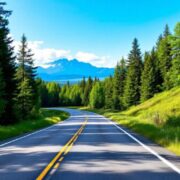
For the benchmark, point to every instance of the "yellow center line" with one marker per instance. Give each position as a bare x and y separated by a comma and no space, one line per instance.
65,149
75,139
61,159
56,165
68,149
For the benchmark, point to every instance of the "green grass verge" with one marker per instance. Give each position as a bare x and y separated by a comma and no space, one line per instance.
157,119
46,118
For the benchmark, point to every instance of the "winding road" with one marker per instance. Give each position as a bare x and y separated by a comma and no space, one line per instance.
87,146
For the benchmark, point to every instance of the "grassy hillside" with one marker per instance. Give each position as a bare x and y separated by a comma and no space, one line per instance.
46,118
157,119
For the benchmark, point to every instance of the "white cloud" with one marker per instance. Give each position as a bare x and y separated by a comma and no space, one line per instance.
43,56
95,60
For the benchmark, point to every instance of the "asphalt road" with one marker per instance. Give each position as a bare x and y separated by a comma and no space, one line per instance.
98,151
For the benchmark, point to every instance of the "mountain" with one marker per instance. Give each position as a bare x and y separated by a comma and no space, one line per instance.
64,69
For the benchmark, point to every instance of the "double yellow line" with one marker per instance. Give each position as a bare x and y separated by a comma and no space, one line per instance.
59,157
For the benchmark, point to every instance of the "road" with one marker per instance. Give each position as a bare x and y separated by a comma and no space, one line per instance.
84,147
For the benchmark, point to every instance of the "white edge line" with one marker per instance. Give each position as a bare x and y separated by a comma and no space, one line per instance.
165,161
17,139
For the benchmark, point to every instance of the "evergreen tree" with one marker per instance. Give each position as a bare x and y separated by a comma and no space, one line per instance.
164,53
24,98
159,40
173,76
108,91
82,86
159,77
133,79
7,64
53,93
63,98
116,87
87,91
148,78
43,92
118,84
25,77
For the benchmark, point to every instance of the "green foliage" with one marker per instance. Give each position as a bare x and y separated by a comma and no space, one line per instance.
44,118
164,54
148,78
87,91
97,96
27,93
7,64
108,93
173,76
22,96
75,95
53,90
133,79
118,84
142,119
2,93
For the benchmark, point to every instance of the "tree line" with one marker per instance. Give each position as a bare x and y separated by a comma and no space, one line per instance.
135,79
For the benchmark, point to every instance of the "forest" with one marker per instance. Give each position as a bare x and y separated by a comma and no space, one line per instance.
136,78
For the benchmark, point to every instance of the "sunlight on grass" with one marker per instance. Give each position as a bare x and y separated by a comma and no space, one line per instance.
157,119
46,118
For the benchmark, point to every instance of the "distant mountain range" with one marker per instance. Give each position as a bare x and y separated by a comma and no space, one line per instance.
67,70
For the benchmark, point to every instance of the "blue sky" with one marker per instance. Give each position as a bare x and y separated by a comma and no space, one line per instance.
95,31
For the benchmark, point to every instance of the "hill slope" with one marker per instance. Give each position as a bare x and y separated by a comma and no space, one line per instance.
157,119
71,69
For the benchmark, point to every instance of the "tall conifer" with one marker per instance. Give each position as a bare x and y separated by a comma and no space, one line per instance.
148,78
25,76
133,79
7,64
164,53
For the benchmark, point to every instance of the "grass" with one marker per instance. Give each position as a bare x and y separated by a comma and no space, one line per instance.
157,119
46,118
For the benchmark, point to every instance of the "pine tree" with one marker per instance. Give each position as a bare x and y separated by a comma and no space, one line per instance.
25,77
116,87
43,92
123,72
53,93
108,91
87,91
24,98
82,86
148,78
133,79
164,53
118,84
7,64
173,76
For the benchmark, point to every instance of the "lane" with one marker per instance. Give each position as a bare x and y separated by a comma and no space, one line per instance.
105,152
102,151
27,157
54,164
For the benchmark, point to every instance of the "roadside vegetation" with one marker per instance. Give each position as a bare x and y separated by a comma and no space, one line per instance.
157,119
44,119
